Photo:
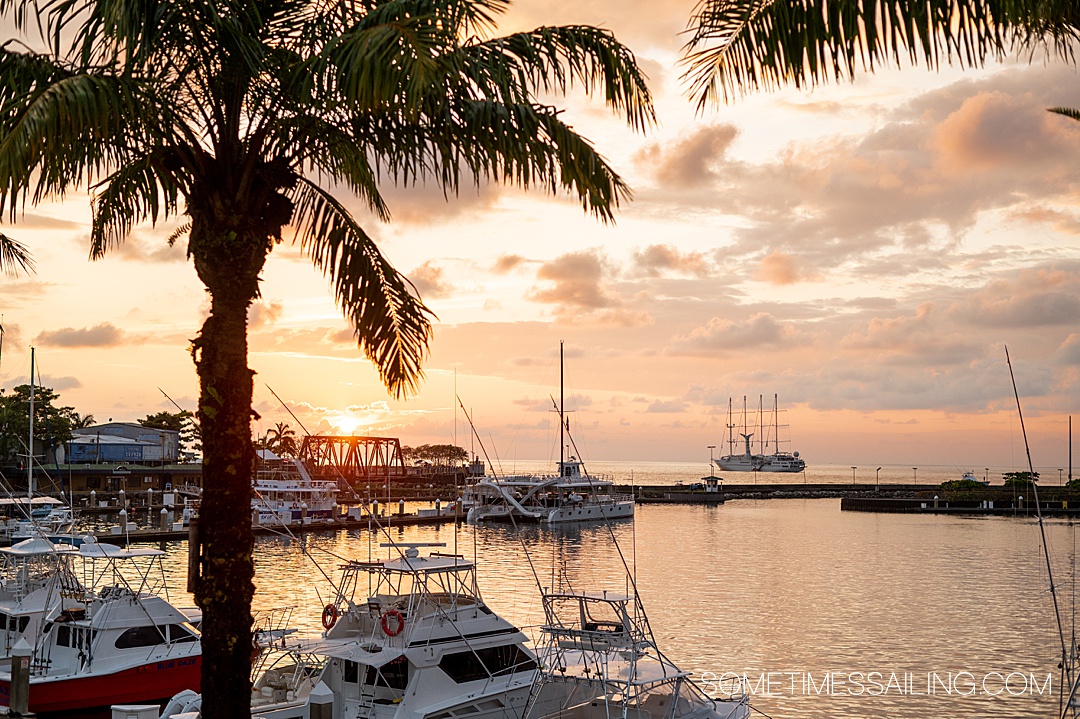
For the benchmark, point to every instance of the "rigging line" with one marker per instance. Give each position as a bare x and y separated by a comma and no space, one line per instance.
509,511
343,482
287,409
1066,670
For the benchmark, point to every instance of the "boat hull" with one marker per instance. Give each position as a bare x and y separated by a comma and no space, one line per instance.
150,682
618,510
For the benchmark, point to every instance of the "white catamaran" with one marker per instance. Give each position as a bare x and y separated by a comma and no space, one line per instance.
571,495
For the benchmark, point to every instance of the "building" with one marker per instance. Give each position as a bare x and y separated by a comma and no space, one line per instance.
123,442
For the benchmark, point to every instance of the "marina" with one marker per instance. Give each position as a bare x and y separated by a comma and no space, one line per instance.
860,593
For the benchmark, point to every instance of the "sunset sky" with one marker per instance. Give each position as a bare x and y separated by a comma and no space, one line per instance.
865,251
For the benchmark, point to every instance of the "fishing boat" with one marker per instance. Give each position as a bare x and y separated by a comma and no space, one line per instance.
113,641
569,495
408,636
748,461
599,660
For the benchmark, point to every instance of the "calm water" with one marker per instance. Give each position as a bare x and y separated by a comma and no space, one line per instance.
783,588
687,472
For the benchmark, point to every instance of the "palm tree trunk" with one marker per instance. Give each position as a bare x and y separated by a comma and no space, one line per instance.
225,586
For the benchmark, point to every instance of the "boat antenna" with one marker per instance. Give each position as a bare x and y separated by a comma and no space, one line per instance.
1065,668
513,522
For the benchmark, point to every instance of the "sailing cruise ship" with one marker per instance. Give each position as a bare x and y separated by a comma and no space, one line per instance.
748,461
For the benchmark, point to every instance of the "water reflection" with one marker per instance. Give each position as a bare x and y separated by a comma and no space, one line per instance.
780,586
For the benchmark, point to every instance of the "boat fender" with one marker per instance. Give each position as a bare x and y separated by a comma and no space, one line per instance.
397,618
177,703
329,616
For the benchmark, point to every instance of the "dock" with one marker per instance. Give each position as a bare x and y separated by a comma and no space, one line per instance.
392,520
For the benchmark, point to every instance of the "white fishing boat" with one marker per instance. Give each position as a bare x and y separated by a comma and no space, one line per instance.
599,660
969,476
748,461
405,637
106,640
285,492
570,495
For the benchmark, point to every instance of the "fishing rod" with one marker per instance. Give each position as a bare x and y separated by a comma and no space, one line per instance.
1065,664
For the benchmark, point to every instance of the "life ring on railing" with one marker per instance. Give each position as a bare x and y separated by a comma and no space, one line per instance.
329,616
399,622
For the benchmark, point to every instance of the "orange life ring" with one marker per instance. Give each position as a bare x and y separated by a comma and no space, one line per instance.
329,616
399,622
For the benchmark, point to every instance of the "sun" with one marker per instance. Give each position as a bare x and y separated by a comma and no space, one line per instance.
346,423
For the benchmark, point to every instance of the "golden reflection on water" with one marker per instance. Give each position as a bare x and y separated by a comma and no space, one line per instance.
787,587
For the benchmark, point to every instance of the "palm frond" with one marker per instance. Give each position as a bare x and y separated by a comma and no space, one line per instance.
740,46
1066,111
554,59
14,256
135,192
392,325
67,132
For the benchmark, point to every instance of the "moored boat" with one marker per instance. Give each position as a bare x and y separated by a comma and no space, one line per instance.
570,495
405,637
114,642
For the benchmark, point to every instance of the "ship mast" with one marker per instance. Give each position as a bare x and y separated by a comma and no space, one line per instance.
776,421
762,443
730,430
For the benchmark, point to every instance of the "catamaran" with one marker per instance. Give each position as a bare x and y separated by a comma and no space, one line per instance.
570,495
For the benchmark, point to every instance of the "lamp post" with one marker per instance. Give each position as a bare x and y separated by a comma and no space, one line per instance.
853,476
915,475
877,474
711,448
986,475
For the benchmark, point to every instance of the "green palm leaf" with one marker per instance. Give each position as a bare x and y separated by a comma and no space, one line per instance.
14,256
746,45
392,325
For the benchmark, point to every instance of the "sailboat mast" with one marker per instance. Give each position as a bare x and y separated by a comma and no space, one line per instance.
30,444
562,418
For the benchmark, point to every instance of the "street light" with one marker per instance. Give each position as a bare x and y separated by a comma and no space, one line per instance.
711,448
915,474
853,476
877,475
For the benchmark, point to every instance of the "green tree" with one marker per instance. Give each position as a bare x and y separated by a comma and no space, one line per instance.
52,424
1019,480
182,422
223,111
737,46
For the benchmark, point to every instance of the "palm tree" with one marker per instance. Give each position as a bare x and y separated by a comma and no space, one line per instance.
281,440
223,111
745,45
